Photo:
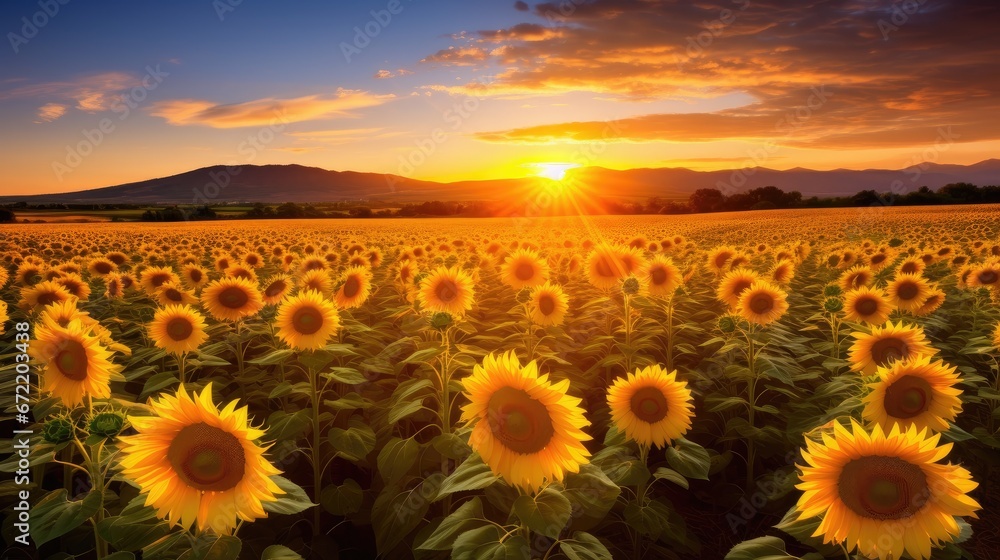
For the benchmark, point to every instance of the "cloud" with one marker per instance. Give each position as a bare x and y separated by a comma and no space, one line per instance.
521,6
267,111
92,93
896,77
50,112
383,74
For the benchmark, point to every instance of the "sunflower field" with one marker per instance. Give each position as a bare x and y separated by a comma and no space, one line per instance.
783,385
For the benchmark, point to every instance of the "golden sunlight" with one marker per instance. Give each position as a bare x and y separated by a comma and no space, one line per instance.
555,171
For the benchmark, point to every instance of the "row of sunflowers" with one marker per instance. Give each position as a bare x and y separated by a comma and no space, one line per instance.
578,388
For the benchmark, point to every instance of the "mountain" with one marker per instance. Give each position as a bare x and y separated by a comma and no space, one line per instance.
296,183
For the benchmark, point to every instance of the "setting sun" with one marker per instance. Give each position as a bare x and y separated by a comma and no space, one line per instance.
554,171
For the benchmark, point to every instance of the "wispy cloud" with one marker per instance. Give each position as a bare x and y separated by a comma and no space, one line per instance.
92,93
262,112
50,112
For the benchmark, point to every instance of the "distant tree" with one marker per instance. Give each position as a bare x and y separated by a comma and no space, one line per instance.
360,212
7,216
706,200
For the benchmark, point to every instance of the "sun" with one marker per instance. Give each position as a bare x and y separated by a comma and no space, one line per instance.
554,171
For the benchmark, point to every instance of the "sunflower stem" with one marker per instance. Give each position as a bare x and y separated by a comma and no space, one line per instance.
670,333
446,405
181,362
751,400
640,498
628,333
317,464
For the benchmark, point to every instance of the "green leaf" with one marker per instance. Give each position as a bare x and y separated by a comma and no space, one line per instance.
404,409
54,515
451,445
769,548
279,552
396,513
350,401
467,517
214,547
120,556
623,468
294,499
423,355
484,543
689,459
285,426
651,519
344,499
472,474
584,546
591,492
274,358
546,513
131,530
354,443
349,376
677,478
397,458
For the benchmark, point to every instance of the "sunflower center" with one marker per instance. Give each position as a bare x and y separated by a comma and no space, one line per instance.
275,288
48,298
524,271
658,276
195,275
877,259
887,349
649,404
546,304
102,268
761,303
446,290
307,320
907,291
233,297
721,258
908,396
741,286
173,295
604,268
882,487
988,277
908,268
352,286
179,328
243,273
72,360
866,306
207,458
521,423
157,280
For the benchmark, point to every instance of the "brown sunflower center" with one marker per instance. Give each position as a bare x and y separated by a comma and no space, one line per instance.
352,286
866,306
658,276
72,360
173,294
47,298
604,268
446,290
721,258
158,279
887,349
233,297
877,259
524,271
908,267
242,273
988,277
907,291
102,268
546,304
179,328
649,404
307,320
908,396
195,275
761,303
521,423
740,286
275,288
207,458
882,487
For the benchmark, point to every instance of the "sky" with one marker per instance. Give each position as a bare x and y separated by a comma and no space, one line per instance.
95,94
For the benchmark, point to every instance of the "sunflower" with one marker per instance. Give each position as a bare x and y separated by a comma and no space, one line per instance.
198,464
604,267
75,285
101,266
307,320
61,314
631,260
660,277
911,265
880,260
29,273
232,299
886,344
734,283
527,429
356,287
318,280
783,272
43,294
155,276
276,288
985,276
447,290
178,329
856,277
762,303
908,292
3,316
718,259
113,288
253,259
238,271
524,269
548,304
194,276
75,363
914,392
935,299
171,294
406,271
884,494
867,305
651,406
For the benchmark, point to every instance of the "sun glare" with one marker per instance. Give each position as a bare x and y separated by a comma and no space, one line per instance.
554,171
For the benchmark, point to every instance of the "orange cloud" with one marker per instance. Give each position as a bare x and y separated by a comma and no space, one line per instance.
93,93
267,111
50,112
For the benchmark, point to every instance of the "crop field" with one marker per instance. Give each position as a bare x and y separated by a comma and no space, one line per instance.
788,384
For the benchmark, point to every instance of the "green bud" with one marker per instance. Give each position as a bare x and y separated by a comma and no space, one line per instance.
832,290
630,286
107,424
727,324
524,296
419,278
58,430
442,320
833,305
